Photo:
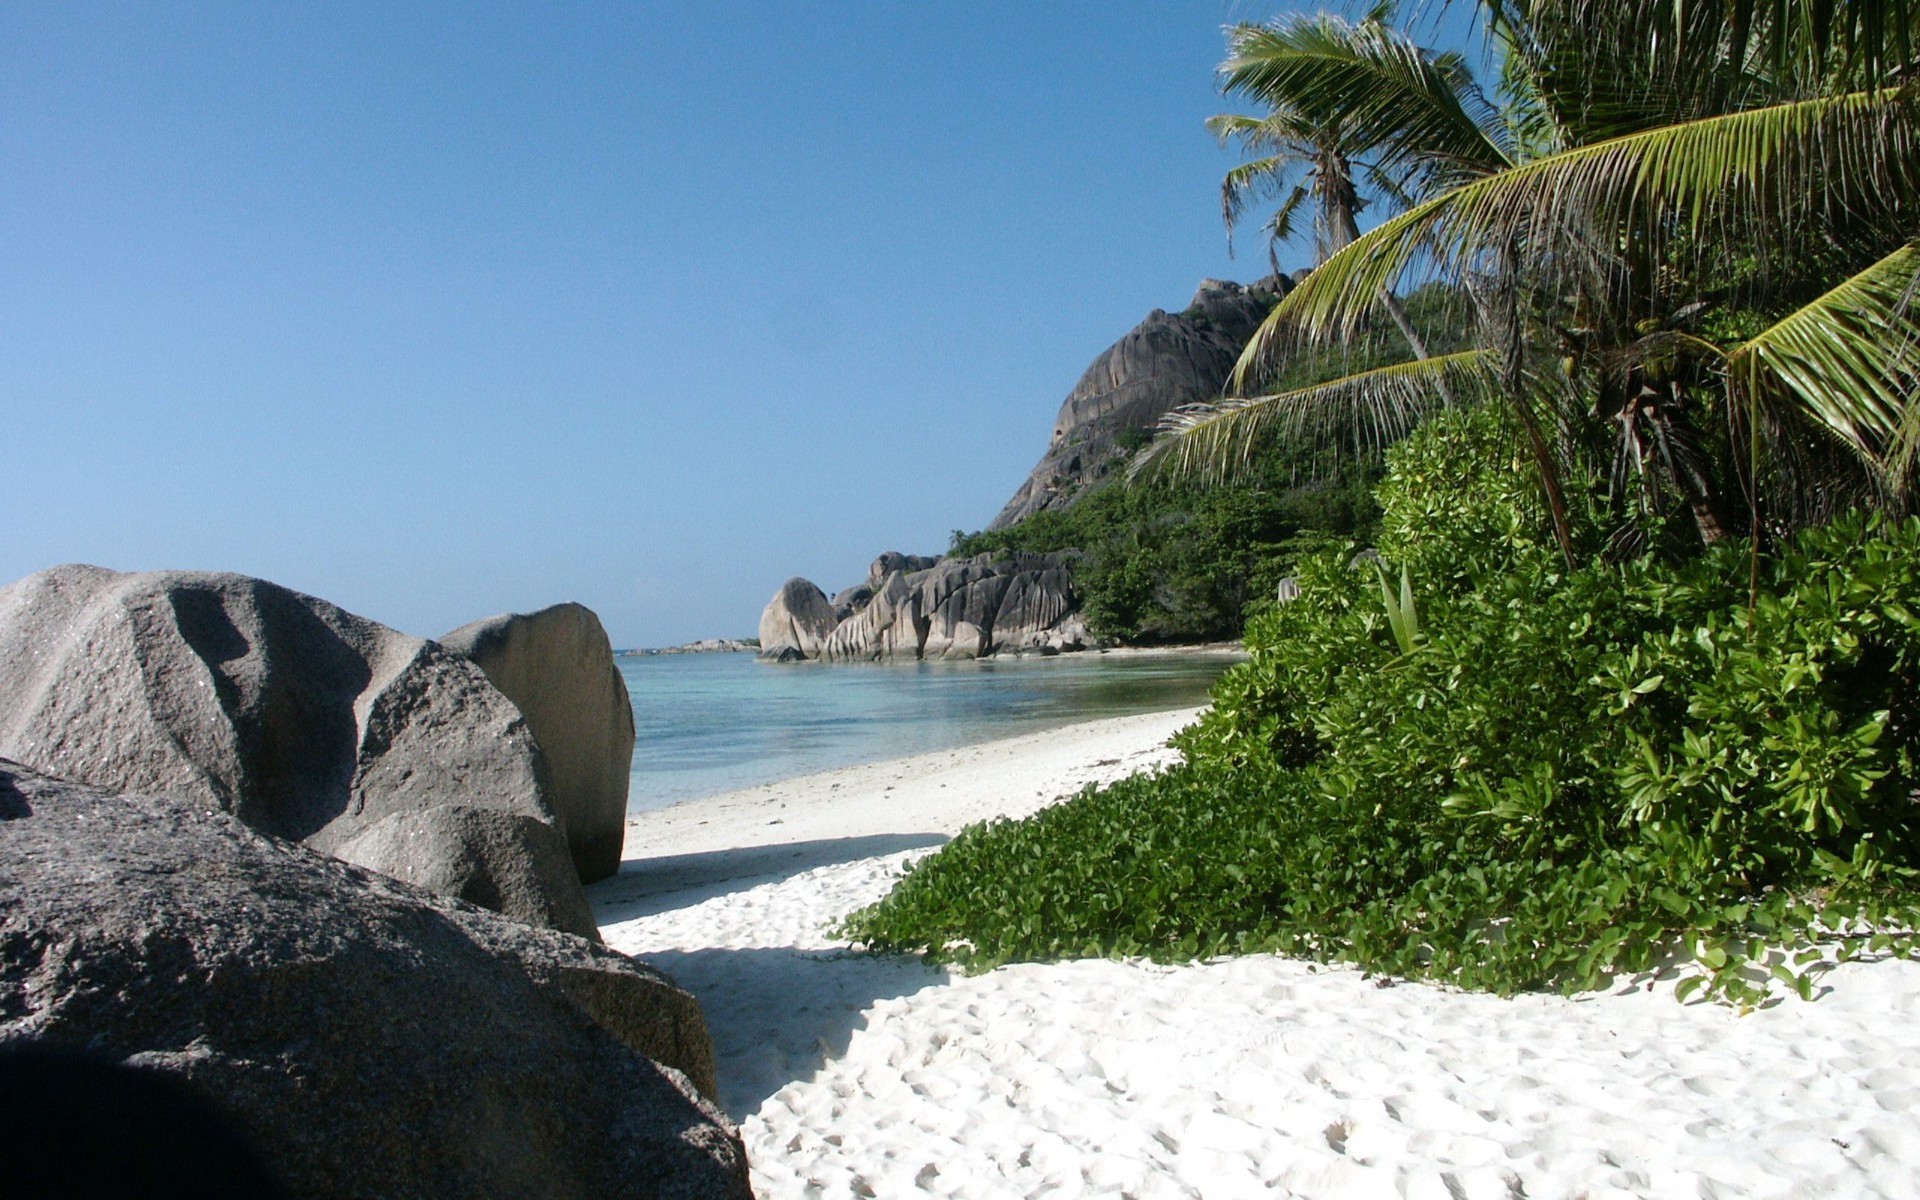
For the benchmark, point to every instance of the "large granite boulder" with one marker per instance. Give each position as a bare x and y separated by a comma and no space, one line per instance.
1167,361
304,721
799,617
508,862
557,667
368,1038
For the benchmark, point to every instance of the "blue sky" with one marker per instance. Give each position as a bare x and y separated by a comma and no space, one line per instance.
437,311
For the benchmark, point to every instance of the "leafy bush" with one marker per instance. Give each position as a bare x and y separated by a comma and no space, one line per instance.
1574,774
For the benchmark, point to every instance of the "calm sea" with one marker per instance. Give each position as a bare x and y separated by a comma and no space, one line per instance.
711,723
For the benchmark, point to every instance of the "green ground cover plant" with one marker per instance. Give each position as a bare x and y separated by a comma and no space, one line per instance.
1558,775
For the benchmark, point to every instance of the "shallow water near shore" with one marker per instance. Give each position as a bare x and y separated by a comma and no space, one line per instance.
712,723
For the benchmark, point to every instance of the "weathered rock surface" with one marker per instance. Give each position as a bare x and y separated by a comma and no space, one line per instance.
848,601
557,667
1168,360
368,1038
956,608
799,617
511,863
893,562
304,721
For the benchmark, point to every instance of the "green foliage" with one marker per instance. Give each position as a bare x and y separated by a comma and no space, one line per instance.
1571,775
1183,563
1460,500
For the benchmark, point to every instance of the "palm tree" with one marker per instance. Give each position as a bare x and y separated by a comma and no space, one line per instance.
1314,142
1704,244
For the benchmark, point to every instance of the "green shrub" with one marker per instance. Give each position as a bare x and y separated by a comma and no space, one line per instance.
1574,774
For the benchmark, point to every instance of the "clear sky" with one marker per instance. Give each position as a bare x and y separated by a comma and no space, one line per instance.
441,310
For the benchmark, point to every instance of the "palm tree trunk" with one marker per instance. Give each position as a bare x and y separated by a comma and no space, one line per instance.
1339,201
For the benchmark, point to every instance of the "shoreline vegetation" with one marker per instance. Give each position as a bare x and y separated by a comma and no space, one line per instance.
1624,669
853,1074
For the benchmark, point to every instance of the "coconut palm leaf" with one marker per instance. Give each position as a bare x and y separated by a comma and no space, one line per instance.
1752,171
1374,407
1874,38
1415,109
1847,360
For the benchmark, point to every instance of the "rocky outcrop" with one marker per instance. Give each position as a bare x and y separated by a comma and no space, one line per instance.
799,618
300,719
1168,360
955,608
367,1038
556,665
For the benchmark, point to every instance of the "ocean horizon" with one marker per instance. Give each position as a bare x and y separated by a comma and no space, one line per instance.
719,722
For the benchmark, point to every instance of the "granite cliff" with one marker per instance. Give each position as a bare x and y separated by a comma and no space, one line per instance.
1166,361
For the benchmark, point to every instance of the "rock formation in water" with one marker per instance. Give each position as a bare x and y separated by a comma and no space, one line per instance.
557,667
798,619
302,720
1168,360
915,607
703,646
367,1038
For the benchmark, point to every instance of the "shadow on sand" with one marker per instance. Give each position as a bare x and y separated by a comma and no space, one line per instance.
646,886
777,1014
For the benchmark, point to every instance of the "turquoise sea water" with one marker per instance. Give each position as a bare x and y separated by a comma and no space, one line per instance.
711,723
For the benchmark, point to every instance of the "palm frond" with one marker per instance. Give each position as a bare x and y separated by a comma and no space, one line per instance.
1252,183
1371,408
1847,360
1279,226
1389,94
1754,171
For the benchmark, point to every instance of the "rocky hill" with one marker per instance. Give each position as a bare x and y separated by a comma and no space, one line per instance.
983,604
1168,360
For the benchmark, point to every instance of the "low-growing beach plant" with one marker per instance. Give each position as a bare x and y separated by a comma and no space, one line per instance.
1576,773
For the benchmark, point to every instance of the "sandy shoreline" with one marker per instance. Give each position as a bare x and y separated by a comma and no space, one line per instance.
854,1075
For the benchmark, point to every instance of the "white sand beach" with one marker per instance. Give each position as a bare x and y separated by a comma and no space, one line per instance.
862,1076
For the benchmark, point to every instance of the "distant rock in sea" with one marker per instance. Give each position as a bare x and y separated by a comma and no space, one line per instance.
1167,361
914,607
799,618
703,646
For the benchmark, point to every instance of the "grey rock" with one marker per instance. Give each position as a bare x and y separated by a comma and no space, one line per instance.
1167,361
966,608
506,862
369,1038
557,667
848,601
799,617
302,720
894,561
890,626
704,646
